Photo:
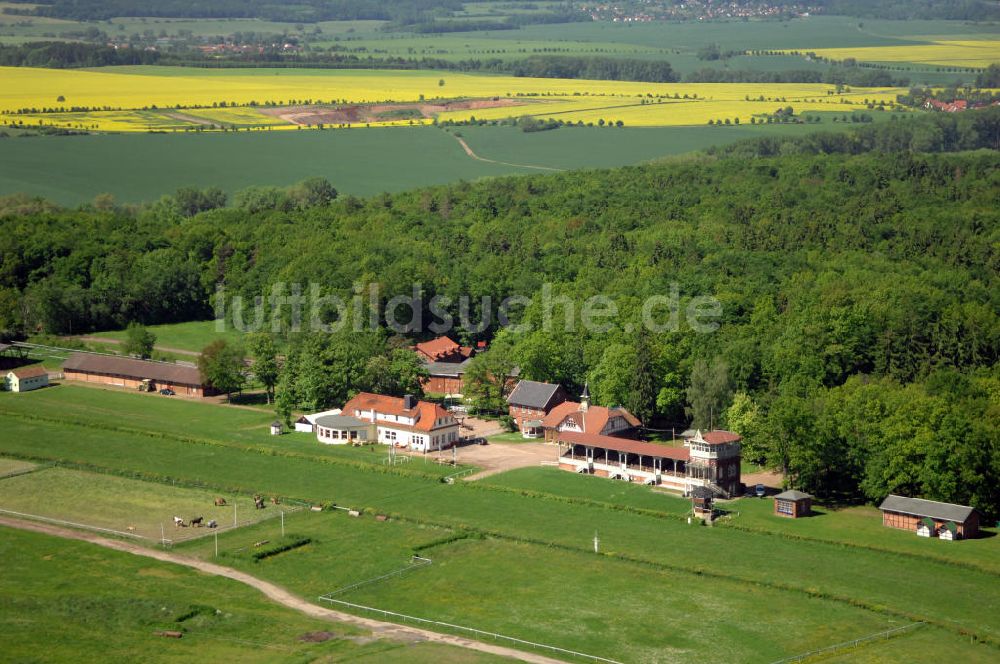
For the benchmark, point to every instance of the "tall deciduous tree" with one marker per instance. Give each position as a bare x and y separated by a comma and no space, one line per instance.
264,354
708,393
222,366
139,341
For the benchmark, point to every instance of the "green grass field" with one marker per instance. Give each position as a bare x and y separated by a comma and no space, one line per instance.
241,429
192,336
357,161
649,551
14,466
64,601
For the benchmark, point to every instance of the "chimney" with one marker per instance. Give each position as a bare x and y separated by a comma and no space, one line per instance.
409,403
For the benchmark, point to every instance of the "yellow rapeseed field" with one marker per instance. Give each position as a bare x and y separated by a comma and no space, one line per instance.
165,98
969,53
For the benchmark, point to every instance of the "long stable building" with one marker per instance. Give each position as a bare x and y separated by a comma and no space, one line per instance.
130,373
710,460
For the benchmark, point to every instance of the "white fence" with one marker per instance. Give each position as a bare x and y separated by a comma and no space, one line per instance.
847,645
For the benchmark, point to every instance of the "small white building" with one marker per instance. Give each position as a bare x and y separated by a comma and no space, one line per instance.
307,423
405,422
343,430
26,379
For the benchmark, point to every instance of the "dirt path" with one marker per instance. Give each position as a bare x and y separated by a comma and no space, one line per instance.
280,595
164,349
468,151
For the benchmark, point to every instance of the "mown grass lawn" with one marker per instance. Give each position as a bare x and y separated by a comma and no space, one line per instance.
64,601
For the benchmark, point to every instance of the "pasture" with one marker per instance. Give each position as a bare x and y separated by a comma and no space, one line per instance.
124,505
71,601
834,569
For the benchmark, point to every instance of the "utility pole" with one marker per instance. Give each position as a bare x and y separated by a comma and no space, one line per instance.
282,523
597,543
163,536
216,543
234,514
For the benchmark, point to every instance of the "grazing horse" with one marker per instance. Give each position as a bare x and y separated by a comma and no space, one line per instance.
178,522
275,501
197,521
220,502
258,502
131,529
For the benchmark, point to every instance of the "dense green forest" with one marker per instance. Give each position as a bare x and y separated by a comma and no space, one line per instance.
856,274
413,15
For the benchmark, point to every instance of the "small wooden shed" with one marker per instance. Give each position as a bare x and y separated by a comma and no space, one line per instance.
793,504
702,502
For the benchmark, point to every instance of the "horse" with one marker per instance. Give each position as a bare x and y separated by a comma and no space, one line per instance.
131,529
197,521
212,524
258,502
220,502
178,522
275,501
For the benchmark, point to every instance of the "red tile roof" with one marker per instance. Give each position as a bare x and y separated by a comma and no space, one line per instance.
720,437
592,421
625,445
425,414
32,371
435,349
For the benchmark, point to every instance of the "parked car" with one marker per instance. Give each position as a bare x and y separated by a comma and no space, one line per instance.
760,491
167,392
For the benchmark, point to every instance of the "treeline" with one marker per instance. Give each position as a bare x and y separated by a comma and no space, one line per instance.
60,55
857,76
858,338
938,132
597,68
907,10
424,16
307,11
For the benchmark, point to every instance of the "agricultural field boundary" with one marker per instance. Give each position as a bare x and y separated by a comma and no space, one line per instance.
280,595
471,630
